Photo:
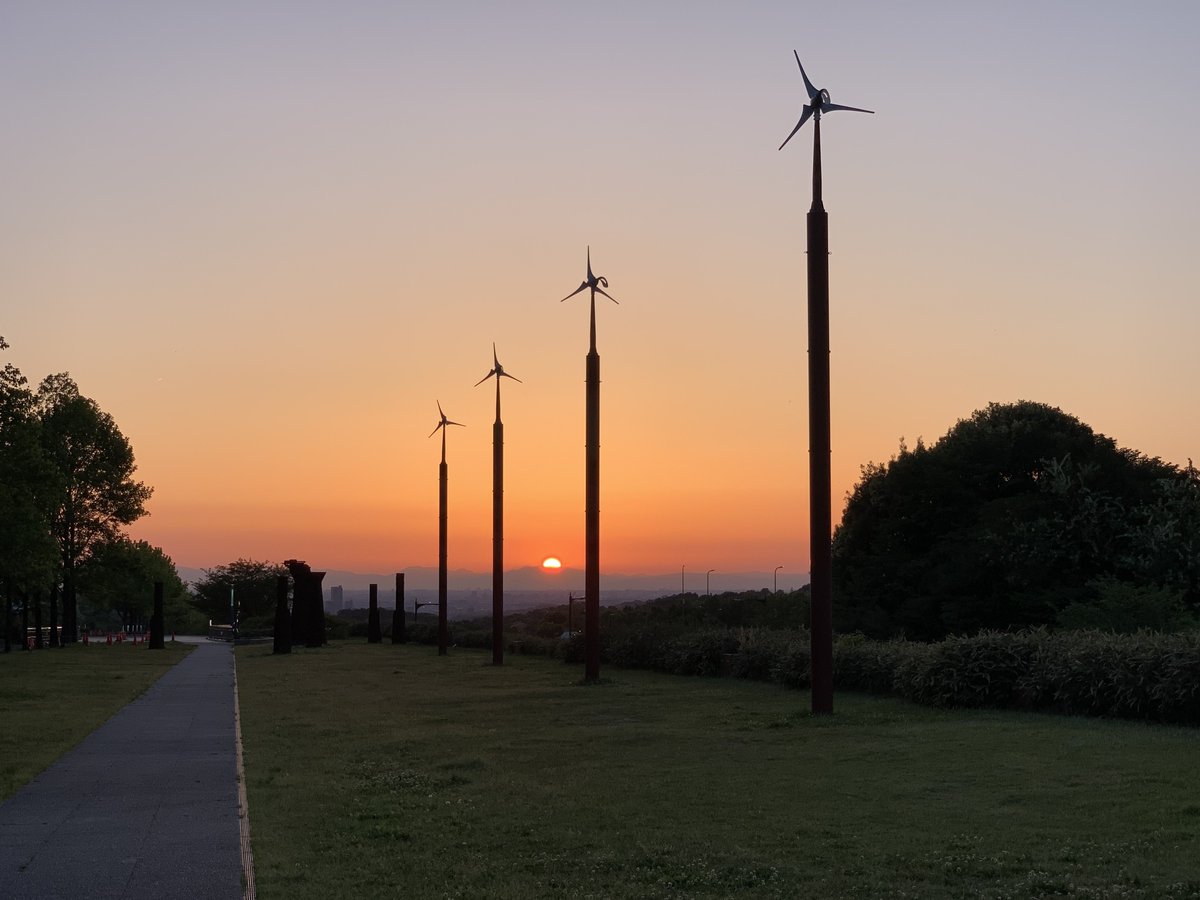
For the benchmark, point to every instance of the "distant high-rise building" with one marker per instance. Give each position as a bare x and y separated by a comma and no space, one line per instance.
336,600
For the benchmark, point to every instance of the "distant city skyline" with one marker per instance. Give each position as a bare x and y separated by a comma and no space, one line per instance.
245,229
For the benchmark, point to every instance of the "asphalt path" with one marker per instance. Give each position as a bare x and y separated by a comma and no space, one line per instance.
145,807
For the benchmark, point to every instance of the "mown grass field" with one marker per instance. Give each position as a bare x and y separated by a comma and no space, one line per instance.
375,770
50,700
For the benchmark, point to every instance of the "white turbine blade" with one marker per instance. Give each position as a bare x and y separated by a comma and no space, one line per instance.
495,358
485,378
589,259
803,118
435,430
513,377
581,287
808,85
459,424
830,106
609,296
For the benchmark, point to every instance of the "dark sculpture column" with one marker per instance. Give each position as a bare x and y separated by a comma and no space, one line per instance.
54,637
316,634
38,643
283,624
156,622
374,634
398,635
308,612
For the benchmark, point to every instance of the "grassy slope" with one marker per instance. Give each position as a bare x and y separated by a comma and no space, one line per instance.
378,770
50,700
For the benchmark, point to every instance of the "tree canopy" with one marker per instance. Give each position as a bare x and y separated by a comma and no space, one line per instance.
27,484
1018,512
93,466
119,574
67,487
253,584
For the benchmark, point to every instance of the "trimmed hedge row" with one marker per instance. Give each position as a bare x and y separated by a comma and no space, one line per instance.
1147,676
1132,676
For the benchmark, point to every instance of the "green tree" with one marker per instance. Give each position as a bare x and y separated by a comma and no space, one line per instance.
1165,536
96,491
27,550
119,575
1014,514
253,584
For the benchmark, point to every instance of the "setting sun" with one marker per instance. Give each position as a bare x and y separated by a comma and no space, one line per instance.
551,562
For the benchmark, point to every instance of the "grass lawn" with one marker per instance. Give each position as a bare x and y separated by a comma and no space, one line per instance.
50,700
375,770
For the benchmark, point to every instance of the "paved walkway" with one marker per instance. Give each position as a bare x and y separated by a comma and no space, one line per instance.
145,807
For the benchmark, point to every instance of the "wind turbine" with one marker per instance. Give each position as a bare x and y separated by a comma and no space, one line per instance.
820,509
591,579
497,513
443,624
818,102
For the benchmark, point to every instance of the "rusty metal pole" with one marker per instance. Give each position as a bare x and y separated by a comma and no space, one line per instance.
592,512
498,535
443,626
820,489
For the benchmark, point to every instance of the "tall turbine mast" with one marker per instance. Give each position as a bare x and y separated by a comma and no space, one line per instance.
443,622
497,514
591,580
820,482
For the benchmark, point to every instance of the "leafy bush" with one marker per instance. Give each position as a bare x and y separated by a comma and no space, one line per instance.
759,651
793,667
1140,676
985,670
698,652
640,648
863,665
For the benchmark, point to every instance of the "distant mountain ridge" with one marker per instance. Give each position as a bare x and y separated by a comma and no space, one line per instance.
536,578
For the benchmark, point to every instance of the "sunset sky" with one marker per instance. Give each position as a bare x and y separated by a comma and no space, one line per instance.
268,237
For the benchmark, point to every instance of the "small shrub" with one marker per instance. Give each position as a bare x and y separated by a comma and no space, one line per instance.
759,652
793,667
642,648
698,652
863,665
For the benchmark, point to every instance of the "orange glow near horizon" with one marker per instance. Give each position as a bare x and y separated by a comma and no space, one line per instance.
269,285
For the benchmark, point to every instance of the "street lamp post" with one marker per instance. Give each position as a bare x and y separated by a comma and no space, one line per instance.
707,591
776,590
